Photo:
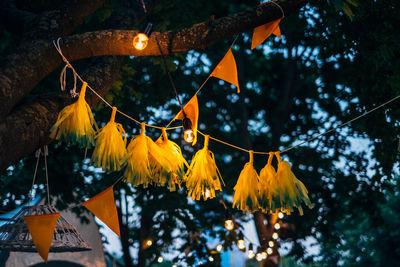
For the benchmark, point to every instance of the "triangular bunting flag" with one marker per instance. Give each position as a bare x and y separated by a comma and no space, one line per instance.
41,227
264,31
192,112
103,207
226,70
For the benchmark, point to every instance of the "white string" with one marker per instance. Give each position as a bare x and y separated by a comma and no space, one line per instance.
68,65
37,155
58,47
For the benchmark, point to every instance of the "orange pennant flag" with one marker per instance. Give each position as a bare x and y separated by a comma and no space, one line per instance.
226,70
192,112
264,31
41,227
103,207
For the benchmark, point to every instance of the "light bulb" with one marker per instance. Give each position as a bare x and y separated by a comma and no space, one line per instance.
149,243
211,258
263,255
174,265
271,244
280,215
140,41
219,248
229,224
250,254
269,251
200,263
160,259
207,194
277,226
275,236
259,257
241,244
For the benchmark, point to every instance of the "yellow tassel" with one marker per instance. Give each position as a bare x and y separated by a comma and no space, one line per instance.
75,123
203,177
143,155
247,188
173,152
110,151
269,195
292,191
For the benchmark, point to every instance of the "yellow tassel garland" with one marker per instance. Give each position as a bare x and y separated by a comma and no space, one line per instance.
173,152
203,177
292,191
247,188
75,123
143,155
270,201
110,151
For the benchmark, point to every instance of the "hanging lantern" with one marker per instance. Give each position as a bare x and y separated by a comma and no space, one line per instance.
15,236
142,39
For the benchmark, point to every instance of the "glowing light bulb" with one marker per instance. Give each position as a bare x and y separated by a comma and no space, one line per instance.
275,236
280,215
219,248
211,258
269,251
271,244
200,263
207,194
241,244
149,243
140,41
264,255
250,254
277,226
229,225
160,259
259,257
174,265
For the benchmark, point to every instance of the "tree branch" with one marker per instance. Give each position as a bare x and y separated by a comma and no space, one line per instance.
27,127
62,21
21,71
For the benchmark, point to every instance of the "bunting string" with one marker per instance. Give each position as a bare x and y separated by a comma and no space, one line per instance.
58,47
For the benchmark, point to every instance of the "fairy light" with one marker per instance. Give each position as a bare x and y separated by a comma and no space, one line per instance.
280,215
229,225
250,252
174,265
264,255
211,259
269,251
275,236
240,242
160,259
188,133
271,244
141,39
149,243
219,247
277,226
259,257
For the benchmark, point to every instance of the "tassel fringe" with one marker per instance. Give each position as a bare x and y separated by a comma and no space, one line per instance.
173,152
144,156
203,177
110,151
247,188
75,123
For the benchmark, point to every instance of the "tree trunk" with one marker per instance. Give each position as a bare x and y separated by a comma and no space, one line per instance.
124,229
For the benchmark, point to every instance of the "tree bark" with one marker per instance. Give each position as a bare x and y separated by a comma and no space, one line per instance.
27,127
